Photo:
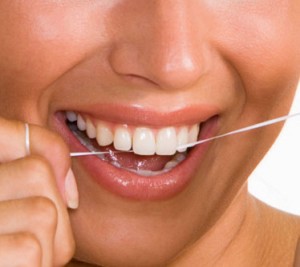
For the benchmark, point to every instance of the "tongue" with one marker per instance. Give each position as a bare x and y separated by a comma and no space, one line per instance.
130,160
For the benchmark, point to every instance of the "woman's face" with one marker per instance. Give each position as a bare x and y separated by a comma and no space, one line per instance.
143,66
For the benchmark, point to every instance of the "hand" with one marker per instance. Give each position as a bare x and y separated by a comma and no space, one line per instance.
35,190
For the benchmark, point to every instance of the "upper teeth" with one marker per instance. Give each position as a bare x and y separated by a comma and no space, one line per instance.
142,140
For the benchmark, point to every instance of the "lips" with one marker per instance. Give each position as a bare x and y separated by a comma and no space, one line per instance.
151,177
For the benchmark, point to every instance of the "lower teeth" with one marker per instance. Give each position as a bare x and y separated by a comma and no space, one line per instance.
179,157
85,141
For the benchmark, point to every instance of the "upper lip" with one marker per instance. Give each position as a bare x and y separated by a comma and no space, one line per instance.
139,115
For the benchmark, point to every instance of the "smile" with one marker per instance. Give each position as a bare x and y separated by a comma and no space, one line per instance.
155,170
142,140
98,135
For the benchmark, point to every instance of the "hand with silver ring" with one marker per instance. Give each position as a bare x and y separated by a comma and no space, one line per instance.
36,190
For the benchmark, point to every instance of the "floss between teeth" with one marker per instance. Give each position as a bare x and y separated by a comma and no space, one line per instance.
182,147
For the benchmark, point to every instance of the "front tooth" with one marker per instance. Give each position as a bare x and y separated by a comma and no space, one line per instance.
143,141
166,142
122,139
81,123
71,116
104,135
182,138
193,133
90,129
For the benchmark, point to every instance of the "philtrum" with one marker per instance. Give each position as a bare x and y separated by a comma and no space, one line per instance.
245,129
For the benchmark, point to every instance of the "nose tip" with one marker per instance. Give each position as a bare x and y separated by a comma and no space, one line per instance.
174,69
170,66
164,47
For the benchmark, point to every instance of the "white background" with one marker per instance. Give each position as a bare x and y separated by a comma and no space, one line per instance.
276,180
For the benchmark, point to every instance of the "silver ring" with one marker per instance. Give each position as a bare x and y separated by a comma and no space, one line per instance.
27,140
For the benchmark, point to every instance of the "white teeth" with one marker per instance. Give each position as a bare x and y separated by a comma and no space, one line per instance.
171,164
71,116
182,138
143,141
81,123
90,129
122,139
104,135
193,133
166,142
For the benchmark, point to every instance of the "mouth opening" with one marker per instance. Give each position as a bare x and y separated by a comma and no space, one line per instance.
144,165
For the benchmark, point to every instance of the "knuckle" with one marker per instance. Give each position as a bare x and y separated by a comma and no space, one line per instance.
69,250
66,254
30,249
57,144
38,167
44,213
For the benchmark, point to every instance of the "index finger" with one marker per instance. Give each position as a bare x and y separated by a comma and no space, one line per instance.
42,142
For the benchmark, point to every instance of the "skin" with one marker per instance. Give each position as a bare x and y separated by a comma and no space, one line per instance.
242,56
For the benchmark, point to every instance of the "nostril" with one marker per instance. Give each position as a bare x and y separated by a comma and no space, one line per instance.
138,79
167,64
166,72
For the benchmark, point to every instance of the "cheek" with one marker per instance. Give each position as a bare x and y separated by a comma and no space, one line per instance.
43,40
262,44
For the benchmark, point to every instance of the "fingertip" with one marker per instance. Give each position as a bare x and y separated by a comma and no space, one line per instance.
71,190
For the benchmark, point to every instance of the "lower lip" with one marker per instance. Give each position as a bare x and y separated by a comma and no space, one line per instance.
132,186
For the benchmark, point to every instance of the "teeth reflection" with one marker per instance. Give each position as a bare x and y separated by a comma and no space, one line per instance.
182,138
166,142
71,116
193,133
143,141
122,139
81,123
104,135
90,129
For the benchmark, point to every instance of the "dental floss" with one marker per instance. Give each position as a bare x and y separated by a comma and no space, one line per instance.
91,153
245,129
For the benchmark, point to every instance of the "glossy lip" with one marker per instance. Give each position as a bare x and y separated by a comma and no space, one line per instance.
138,115
130,185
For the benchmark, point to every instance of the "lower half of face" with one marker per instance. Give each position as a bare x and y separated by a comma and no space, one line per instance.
138,82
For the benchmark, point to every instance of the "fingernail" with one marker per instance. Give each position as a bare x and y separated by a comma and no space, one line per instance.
71,191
